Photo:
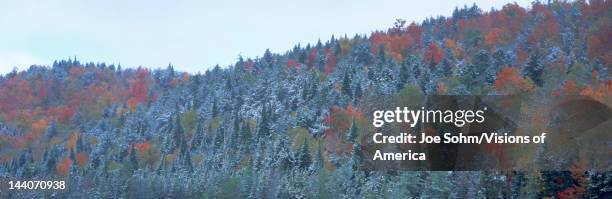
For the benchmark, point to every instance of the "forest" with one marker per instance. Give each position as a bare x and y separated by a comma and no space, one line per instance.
288,125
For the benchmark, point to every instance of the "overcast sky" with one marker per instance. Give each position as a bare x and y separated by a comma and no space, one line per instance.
192,35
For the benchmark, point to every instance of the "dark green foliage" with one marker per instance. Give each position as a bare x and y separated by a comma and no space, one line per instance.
534,69
303,158
133,164
346,85
352,133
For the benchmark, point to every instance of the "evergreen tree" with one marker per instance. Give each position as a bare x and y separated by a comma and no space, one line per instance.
358,91
352,133
198,137
444,68
162,164
219,138
346,84
600,184
215,109
356,157
186,158
403,75
534,69
479,67
303,159
264,128
133,164
319,161
245,136
179,134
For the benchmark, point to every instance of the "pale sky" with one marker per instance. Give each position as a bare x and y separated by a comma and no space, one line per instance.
192,35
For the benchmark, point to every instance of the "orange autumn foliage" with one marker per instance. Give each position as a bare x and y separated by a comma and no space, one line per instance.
339,122
494,37
353,112
600,92
63,167
142,146
509,81
139,89
395,44
433,53
454,48
570,88
578,189
81,159
546,28
66,114
73,140
416,33
330,64
38,128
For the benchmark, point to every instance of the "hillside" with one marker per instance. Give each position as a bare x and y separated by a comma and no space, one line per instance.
278,125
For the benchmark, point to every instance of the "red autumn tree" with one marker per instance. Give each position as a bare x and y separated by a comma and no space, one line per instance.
570,88
143,146
139,89
433,53
330,64
81,159
494,37
416,33
292,64
509,81
63,168
395,43
312,58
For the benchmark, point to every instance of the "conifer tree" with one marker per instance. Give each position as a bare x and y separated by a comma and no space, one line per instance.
352,132
198,137
534,69
346,84
264,126
303,158
133,165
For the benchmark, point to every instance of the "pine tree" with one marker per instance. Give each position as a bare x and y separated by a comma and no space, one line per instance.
352,133
346,84
51,162
133,165
198,137
162,164
444,68
318,162
600,184
245,136
267,58
74,170
356,157
534,69
186,158
358,91
481,64
219,138
235,137
305,93
303,158
264,128
179,134
403,75
215,109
